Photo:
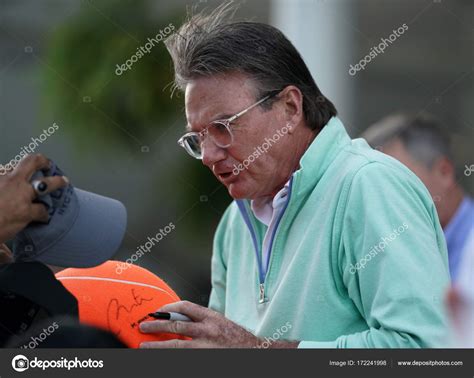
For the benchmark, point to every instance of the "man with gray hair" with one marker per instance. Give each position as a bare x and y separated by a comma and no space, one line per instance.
419,142
316,249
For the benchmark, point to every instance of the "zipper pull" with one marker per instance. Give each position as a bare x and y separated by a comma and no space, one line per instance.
262,293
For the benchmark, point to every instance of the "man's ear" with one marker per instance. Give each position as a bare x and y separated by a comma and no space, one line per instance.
292,100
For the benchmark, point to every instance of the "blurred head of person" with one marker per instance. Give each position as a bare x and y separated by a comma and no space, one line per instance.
224,67
29,295
419,142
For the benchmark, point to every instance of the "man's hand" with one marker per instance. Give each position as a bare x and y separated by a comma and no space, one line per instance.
16,196
209,329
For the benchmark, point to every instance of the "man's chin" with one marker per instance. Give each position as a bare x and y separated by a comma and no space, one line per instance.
241,189
237,190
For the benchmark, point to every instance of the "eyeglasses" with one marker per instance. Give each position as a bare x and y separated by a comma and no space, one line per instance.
219,131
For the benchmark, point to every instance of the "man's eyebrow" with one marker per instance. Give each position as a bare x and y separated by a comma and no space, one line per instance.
216,118
222,116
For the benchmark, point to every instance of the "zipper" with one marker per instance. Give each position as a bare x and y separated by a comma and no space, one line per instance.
261,276
261,297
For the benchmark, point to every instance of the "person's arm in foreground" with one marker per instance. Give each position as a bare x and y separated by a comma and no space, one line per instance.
17,208
209,329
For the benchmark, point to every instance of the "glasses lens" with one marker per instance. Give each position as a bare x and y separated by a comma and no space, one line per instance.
220,134
192,144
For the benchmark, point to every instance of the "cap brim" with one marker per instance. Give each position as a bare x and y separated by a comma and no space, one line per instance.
95,236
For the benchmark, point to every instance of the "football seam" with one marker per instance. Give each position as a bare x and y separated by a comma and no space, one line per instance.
116,280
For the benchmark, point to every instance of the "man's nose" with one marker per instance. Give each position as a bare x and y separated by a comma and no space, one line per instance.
211,153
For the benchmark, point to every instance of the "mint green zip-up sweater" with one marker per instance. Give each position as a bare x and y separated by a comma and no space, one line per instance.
358,259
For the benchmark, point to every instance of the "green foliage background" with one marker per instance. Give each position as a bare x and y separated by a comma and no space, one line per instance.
124,113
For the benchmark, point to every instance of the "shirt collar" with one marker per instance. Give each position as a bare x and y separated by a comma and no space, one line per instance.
264,207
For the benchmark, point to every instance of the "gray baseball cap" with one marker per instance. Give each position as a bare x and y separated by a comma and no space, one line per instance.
84,229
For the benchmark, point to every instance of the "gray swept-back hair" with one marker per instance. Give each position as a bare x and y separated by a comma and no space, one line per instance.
211,44
421,134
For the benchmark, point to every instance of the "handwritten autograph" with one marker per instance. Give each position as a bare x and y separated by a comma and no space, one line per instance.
115,310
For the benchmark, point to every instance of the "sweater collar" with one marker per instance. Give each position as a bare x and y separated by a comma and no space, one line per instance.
317,158
319,155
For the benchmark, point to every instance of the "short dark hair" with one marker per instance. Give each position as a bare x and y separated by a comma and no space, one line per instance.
420,133
207,45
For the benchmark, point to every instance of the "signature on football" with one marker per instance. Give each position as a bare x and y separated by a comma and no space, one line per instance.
116,310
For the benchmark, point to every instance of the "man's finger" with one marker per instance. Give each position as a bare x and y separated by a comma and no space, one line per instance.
170,326
39,212
192,310
170,344
30,164
55,182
